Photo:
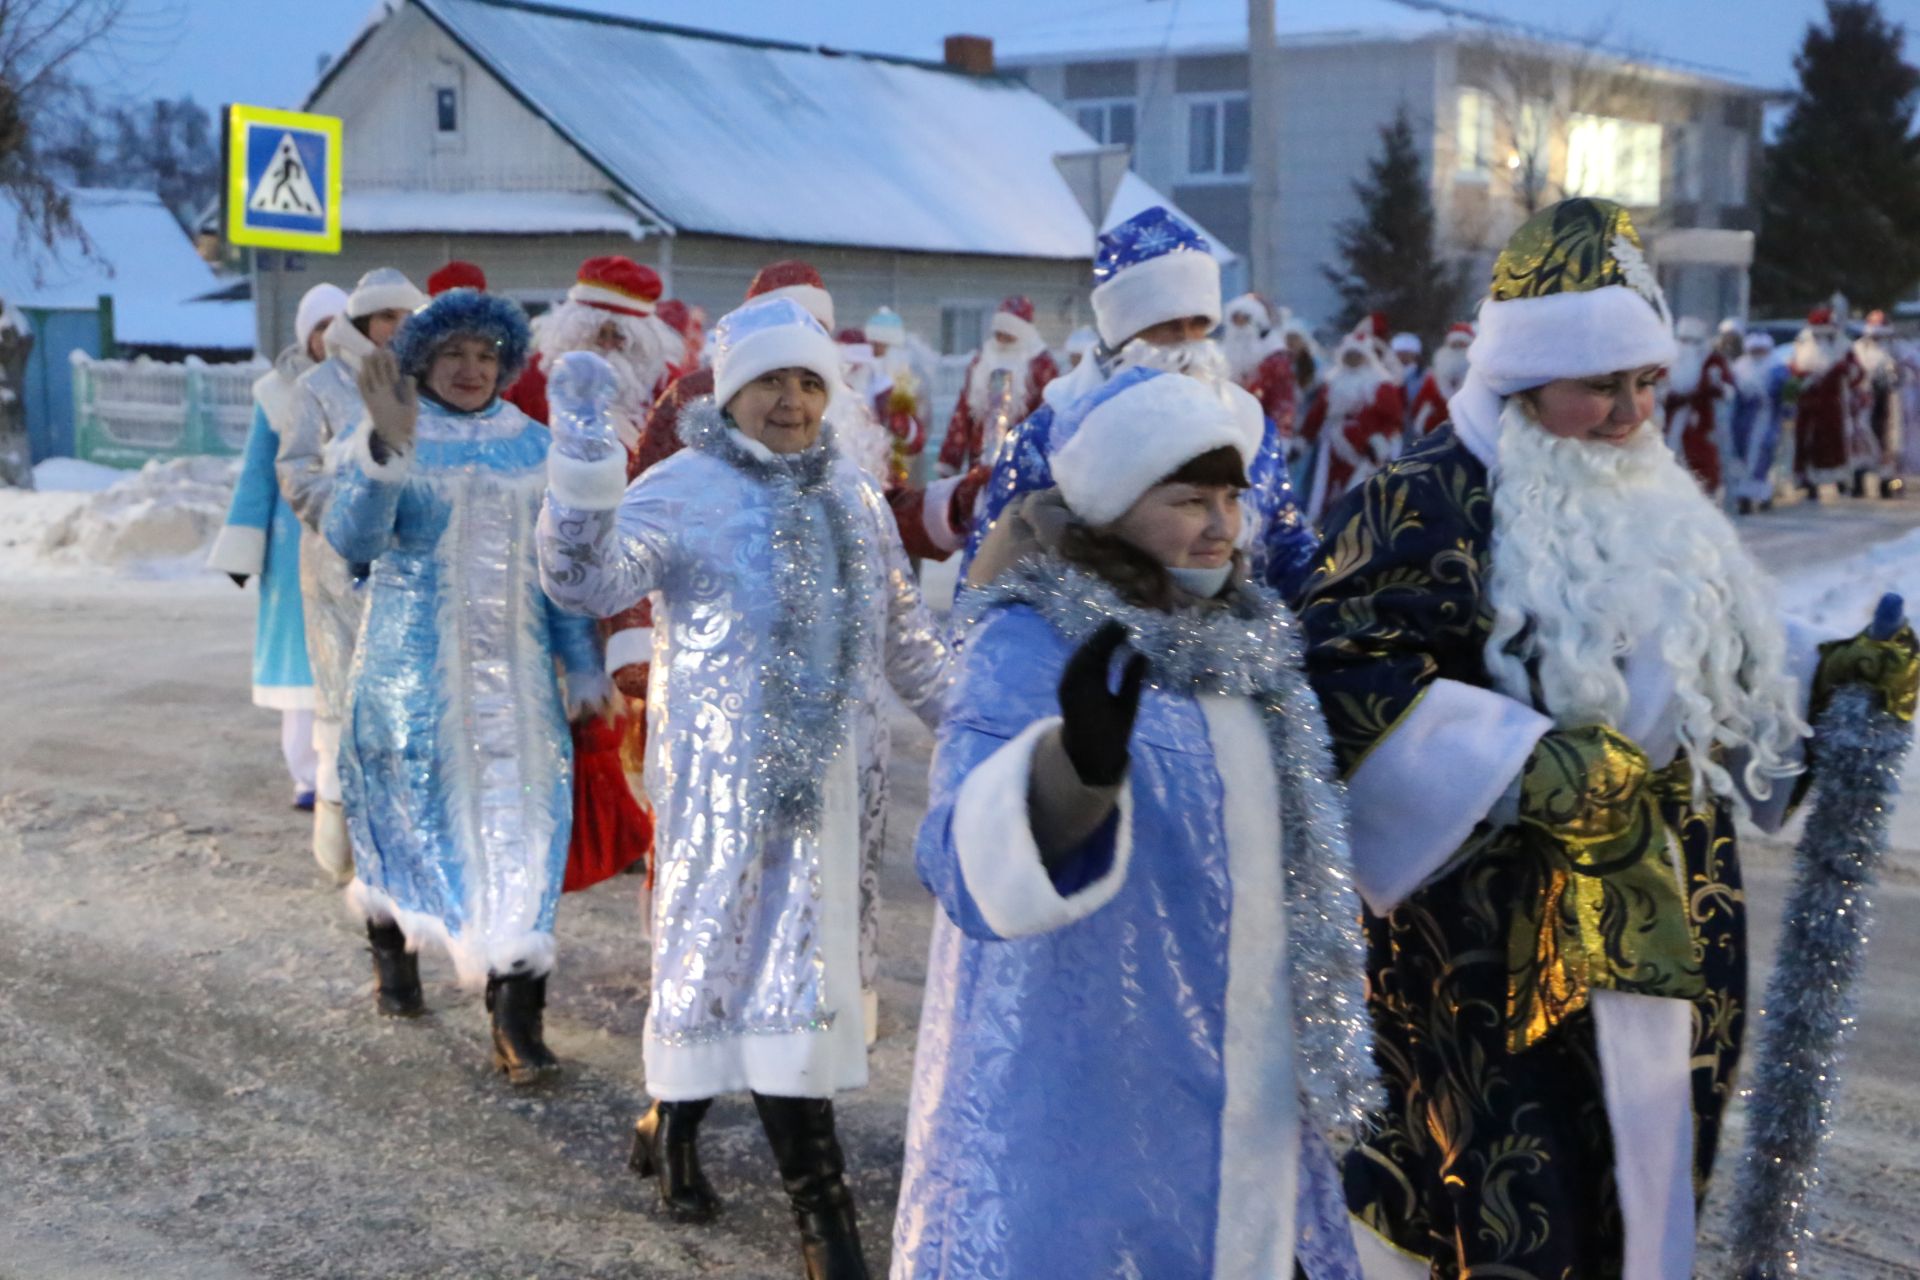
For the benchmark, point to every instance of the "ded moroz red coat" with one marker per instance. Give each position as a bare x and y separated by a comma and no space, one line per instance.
966,442
1696,416
1365,439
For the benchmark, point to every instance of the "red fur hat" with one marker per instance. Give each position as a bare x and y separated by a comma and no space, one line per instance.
456,275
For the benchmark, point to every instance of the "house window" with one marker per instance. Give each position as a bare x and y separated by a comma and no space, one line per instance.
446,110
1737,169
963,326
1219,136
1614,159
1109,123
1473,132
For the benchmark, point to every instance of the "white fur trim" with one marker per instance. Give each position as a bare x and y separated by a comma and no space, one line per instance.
1527,342
1646,1046
817,301
589,486
332,848
999,856
348,344
400,295
474,957
1137,438
1380,1260
594,296
587,688
238,548
360,450
1419,793
1022,331
1172,286
1260,1117
629,647
285,697
935,500
789,346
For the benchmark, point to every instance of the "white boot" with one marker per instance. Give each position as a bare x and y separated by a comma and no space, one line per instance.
331,848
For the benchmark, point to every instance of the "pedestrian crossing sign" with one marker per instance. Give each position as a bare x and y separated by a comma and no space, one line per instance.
283,180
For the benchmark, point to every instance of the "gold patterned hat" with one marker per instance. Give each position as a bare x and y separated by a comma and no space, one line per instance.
1572,296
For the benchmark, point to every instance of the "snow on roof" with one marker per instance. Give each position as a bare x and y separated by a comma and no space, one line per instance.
143,259
732,137
480,212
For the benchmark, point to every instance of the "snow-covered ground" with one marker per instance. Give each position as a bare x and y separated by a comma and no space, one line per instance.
87,519
193,1082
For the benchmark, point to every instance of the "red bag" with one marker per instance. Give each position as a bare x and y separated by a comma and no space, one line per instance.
611,831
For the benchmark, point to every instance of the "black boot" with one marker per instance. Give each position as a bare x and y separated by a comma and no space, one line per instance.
1859,484
666,1146
519,1049
1746,506
396,970
813,1170
1813,492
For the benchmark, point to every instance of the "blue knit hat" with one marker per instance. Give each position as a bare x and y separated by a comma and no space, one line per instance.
459,312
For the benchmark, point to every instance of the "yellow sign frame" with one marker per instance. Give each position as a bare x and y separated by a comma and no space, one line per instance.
241,121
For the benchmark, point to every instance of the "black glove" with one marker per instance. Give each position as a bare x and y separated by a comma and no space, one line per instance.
239,580
1098,721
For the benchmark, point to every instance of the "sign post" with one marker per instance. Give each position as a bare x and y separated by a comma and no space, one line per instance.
283,180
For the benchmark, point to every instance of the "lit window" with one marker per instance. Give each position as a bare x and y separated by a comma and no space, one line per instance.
1473,132
1614,159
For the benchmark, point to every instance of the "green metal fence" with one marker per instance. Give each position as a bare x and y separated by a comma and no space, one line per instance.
126,412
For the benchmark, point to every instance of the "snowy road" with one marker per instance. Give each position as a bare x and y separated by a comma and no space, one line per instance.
193,1082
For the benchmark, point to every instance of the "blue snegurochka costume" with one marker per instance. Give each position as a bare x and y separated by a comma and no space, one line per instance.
456,754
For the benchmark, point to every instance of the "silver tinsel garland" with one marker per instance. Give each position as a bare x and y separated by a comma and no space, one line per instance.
1251,648
804,708
1857,752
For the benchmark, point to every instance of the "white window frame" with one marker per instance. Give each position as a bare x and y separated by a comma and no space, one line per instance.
1472,150
1219,102
984,307
1106,107
1627,165
447,77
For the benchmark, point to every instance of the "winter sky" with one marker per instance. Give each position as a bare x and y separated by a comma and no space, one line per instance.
265,51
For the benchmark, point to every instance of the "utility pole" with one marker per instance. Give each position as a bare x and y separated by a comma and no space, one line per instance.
1263,103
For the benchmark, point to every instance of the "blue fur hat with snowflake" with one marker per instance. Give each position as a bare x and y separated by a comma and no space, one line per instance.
461,313
1150,269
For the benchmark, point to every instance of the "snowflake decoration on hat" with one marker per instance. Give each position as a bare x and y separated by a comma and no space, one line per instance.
1151,233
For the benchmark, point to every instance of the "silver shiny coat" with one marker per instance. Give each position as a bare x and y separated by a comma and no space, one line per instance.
731,550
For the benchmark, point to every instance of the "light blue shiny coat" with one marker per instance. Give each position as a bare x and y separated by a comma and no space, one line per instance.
456,756
1069,1086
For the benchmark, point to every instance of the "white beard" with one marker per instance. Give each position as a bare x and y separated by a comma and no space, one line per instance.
996,358
1604,548
1813,356
1202,358
1351,391
1683,375
1450,369
1750,375
1245,347
1873,356
651,346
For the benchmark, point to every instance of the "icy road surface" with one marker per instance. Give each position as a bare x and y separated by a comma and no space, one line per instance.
193,1082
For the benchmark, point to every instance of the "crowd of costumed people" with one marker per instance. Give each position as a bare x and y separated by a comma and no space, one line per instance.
1332,813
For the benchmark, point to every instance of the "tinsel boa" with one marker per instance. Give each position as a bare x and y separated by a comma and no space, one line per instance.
1250,647
804,710
1857,753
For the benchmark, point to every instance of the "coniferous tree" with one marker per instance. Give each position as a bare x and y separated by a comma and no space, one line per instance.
1387,252
1840,195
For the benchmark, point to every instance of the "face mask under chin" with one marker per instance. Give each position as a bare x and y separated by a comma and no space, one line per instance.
1204,583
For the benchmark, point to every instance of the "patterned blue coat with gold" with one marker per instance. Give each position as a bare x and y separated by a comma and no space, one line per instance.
1496,1155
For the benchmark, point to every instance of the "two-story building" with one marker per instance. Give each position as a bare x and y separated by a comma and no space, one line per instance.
1507,120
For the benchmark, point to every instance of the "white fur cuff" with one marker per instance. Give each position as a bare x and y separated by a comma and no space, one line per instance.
360,452
1418,795
586,689
588,486
935,500
1172,286
630,647
239,548
999,857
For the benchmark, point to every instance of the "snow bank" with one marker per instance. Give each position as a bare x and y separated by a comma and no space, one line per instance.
156,522
72,475
1838,598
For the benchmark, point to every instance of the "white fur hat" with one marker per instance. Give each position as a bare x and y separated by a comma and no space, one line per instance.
1115,444
1573,296
320,303
768,334
384,289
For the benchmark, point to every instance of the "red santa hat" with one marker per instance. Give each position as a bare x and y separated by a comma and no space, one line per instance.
1375,326
1459,329
850,337
456,275
1015,319
792,278
674,312
1819,316
617,284
1253,307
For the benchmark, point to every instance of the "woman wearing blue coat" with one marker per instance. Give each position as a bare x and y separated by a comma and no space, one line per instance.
456,759
261,538
1144,1016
